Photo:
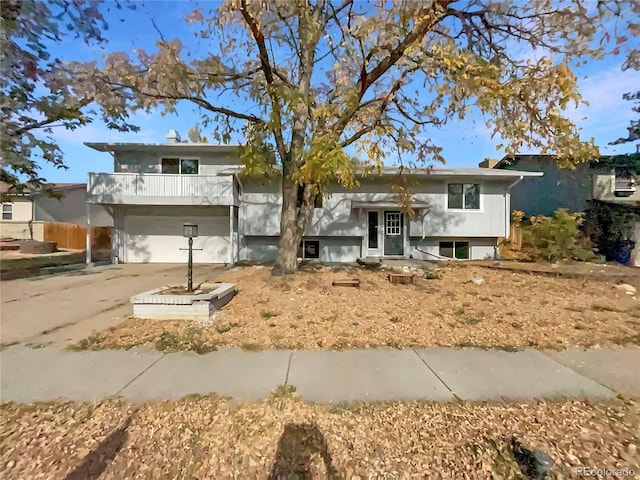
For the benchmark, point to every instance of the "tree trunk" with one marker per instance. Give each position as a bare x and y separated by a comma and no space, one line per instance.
293,222
287,262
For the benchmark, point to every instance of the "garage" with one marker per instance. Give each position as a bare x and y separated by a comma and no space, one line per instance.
154,235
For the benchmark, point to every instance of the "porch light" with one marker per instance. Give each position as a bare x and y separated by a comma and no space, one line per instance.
190,230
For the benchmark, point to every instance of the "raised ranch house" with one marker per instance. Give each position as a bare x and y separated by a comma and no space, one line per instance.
156,188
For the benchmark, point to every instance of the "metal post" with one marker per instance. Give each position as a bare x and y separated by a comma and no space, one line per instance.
190,267
88,236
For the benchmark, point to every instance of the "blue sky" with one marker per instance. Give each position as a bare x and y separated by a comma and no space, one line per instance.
465,143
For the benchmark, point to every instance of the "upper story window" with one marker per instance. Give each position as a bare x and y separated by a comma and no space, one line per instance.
317,202
7,211
463,196
183,166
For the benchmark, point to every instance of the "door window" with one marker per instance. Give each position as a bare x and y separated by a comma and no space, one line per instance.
373,229
393,225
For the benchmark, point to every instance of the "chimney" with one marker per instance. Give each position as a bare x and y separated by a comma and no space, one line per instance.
173,136
488,163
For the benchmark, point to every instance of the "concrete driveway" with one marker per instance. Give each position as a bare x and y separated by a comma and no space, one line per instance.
69,306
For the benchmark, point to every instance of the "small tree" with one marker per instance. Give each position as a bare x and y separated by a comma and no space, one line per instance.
308,79
554,238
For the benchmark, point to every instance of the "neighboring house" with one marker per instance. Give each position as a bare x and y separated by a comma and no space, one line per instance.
612,179
23,215
156,188
569,188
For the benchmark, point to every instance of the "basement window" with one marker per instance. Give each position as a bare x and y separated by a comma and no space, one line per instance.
7,211
309,249
459,250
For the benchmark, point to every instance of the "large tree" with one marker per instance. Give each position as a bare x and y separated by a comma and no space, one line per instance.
315,84
36,95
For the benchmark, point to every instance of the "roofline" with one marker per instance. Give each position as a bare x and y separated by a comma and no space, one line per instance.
509,159
427,172
451,171
124,146
512,159
65,187
51,186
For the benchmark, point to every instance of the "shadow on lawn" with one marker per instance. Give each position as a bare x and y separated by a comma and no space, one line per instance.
99,458
297,444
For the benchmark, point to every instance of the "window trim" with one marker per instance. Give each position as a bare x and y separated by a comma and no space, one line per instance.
10,211
180,159
454,248
480,208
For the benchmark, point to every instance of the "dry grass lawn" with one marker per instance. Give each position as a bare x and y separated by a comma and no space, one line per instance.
210,438
304,311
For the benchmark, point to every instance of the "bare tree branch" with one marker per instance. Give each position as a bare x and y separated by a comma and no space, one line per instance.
429,17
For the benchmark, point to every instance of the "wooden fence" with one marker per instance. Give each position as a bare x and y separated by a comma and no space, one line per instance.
72,236
516,238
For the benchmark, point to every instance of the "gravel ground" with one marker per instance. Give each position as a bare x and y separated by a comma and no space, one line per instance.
304,311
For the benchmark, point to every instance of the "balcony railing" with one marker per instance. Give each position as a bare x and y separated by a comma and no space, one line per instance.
160,189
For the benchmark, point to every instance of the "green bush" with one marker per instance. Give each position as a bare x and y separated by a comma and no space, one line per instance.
554,238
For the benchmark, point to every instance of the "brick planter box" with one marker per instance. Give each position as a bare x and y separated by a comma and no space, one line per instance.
157,306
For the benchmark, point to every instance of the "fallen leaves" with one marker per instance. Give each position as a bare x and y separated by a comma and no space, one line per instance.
210,437
303,311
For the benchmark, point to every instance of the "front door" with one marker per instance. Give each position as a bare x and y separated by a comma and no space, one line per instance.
393,233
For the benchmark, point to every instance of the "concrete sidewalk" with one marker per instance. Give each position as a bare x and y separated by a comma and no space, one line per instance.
436,374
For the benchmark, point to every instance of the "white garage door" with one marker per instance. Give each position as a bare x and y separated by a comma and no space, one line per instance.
158,239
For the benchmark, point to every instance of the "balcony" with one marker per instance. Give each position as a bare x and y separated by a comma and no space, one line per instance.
160,189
